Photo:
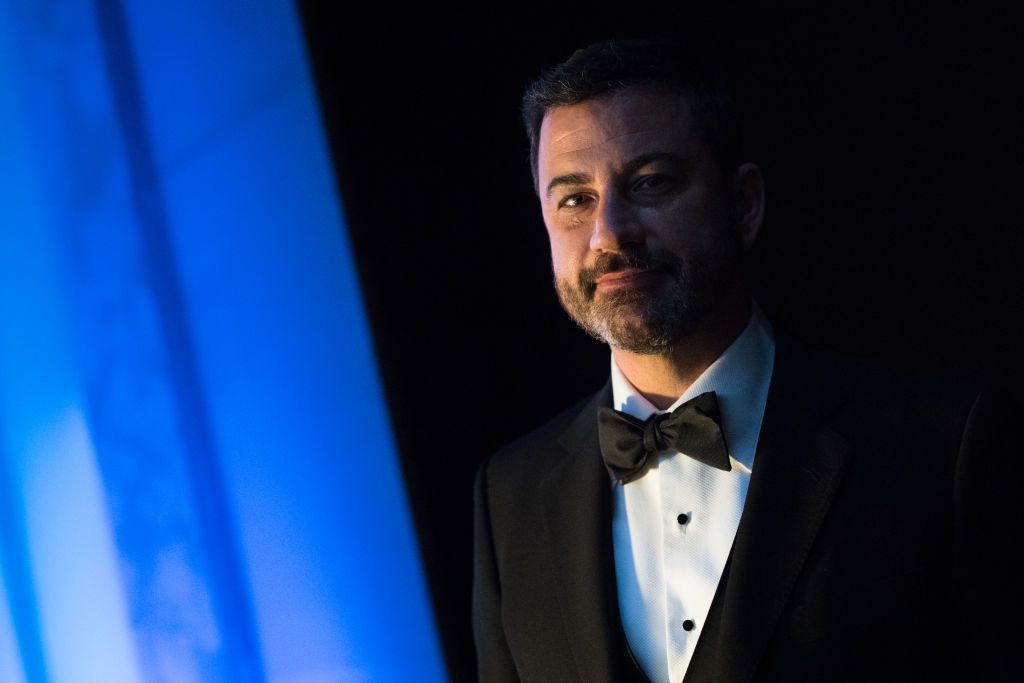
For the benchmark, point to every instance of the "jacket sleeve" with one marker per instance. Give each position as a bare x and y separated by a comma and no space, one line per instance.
989,541
494,661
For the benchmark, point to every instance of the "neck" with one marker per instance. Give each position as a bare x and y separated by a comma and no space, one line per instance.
663,378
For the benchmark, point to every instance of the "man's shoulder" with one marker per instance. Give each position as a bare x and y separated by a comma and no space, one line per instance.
878,394
865,374
539,449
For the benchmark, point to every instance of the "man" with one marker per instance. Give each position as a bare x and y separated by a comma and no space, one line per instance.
728,507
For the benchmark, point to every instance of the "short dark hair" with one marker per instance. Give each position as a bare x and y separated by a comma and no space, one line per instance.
610,65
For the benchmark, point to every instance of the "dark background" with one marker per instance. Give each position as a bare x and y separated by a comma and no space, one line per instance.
889,140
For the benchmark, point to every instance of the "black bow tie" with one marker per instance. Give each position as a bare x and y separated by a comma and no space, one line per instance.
629,445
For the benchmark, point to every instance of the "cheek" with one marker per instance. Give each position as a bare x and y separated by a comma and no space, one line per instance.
559,264
563,256
566,261
694,227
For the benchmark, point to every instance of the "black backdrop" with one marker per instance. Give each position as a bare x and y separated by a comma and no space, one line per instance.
890,143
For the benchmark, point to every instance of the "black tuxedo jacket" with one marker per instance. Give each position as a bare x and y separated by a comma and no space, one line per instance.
878,541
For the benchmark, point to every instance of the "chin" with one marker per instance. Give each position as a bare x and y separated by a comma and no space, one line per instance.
638,335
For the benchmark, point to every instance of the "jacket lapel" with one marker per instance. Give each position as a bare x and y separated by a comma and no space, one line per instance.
797,470
578,534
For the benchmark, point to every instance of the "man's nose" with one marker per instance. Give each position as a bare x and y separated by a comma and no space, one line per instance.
616,224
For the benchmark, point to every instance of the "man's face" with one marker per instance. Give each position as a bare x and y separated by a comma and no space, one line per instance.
644,235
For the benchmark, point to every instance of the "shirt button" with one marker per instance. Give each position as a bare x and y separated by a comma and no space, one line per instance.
688,625
683,518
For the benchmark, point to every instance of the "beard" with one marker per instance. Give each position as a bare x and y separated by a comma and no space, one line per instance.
651,318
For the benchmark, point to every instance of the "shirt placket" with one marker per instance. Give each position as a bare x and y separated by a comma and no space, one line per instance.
685,529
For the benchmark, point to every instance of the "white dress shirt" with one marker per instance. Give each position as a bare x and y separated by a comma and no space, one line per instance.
674,526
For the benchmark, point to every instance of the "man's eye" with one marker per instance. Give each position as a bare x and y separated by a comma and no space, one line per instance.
573,201
652,182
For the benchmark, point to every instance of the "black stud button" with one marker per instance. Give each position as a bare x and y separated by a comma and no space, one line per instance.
683,518
688,625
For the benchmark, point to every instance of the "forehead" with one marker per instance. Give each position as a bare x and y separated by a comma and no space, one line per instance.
624,123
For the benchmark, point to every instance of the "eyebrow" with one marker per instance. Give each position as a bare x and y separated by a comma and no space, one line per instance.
568,179
631,166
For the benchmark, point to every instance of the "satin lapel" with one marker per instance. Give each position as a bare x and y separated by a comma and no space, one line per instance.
578,529
797,470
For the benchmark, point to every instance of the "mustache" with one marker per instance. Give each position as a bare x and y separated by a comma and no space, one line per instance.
634,259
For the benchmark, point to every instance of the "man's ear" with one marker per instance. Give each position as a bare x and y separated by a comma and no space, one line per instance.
748,193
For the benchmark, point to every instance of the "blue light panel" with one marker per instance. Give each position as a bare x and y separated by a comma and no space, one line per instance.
200,478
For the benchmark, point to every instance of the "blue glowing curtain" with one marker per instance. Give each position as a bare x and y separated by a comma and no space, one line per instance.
197,477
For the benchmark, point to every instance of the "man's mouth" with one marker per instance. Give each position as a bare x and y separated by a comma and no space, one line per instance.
627,277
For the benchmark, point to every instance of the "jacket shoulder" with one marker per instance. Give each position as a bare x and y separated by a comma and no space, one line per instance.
874,379
534,453
872,401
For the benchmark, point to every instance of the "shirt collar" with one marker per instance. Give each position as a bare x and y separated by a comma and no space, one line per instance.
739,377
